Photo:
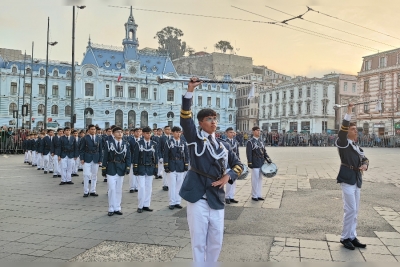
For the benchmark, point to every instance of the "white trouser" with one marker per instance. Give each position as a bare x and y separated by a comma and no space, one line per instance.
39,160
230,190
77,161
174,180
145,184
206,227
66,169
33,157
114,183
90,173
351,204
133,182
256,182
26,159
56,165
46,162
160,168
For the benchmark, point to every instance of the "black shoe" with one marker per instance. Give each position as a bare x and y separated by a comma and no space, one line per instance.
59,175
136,190
74,174
254,198
159,177
131,191
165,188
347,244
62,183
50,171
90,181
80,170
118,212
171,207
38,169
82,182
147,209
139,210
70,182
233,200
105,180
96,195
110,213
55,176
85,195
227,201
33,165
260,198
178,206
357,243
42,169
45,172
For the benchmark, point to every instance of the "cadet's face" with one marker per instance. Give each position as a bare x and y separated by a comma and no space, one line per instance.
159,132
92,131
67,132
137,134
256,133
60,133
147,136
352,134
109,132
209,124
51,133
167,131
230,134
177,135
118,134
75,134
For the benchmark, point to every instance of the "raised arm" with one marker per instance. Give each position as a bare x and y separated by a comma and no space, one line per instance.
344,128
187,123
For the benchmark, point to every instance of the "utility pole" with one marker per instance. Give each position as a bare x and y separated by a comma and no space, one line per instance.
31,96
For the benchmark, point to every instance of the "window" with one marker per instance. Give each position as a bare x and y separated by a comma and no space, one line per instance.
200,101
263,112
382,62
107,90
251,111
40,109
382,107
155,94
366,108
88,89
325,92
345,87
367,65
55,90
264,98
41,72
291,110
119,91
55,73
41,89
300,93
209,87
284,94
67,110
324,126
11,108
308,108
270,97
284,110
89,73
54,110
308,92
68,91
353,89
366,128
170,95
277,111
366,86
270,112
28,88
144,93
28,71
381,83
218,102
218,88
14,70
132,92
68,74
299,108
13,89
324,105
291,94
230,117
200,86
230,103
209,101
398,103
277,96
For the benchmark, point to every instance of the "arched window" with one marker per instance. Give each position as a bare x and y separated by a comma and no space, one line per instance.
170,115
14,70
54,110
40,109
218,117
67,110
28,71
41,72
55,73
218,88
119,118
131,119
144,119
68,75
88,89
12,107
230,117
209,87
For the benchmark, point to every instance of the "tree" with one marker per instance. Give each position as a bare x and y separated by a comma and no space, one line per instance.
223,46
190,51
169,42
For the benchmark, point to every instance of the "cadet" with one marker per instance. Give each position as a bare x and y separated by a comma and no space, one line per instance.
163,139
90,154
25,148
116,163
77,161
55,152
212,165
46,149
34,149
145,159
69,152
133,182
256,156
176,163
39,152
231,188
29,146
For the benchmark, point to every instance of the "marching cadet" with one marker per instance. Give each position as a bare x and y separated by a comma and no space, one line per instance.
68,154
77,161
231,188
29,146
256,156
46,149
91,154
116,163
133,139
82,134
176,163
34,153
25,148
145,159
109,137
353,164
212,165
163,139
55,152
39,151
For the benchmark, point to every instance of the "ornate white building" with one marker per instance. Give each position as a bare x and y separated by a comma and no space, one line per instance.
300,105
113,85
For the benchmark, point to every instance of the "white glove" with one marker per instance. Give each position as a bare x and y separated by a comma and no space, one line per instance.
161,161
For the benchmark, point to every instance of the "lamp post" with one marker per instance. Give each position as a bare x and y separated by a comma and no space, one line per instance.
47,75
23,93
73,66
30,98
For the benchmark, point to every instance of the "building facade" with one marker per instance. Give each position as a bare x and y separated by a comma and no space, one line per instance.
379,78
303,105
113,85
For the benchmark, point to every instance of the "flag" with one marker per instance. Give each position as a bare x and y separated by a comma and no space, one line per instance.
146,79
378,106
252,92
119,78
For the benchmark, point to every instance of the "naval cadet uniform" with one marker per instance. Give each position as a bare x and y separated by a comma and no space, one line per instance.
29,149
56,152
133,180
176,163
34,154
210,159
256,156
91,152
116,163
68,154
77,161
231,188
163,140
352,157
25,149
39,153
46,149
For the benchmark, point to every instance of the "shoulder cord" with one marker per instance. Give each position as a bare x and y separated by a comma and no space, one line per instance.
111,147
341,146
207,145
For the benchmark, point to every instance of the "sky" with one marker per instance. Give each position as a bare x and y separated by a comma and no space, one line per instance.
281,49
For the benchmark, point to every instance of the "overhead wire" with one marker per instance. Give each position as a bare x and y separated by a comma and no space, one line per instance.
329,26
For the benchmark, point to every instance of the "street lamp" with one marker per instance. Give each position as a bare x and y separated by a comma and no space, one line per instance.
73,66
47,75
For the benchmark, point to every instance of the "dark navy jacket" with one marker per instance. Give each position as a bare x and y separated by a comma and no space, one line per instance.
256,153
163,139
145,162
39,145
56,145
350,157
68,147
90,150
235,146
116,162
132,143
34,145
195,185
176,157
46,145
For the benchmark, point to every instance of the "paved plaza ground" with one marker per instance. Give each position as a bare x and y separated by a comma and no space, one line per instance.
299,221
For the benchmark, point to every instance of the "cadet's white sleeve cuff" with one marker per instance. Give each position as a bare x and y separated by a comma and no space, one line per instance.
347,117
188,95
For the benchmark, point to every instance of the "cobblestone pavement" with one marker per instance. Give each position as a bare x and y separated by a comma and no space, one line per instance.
300,219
